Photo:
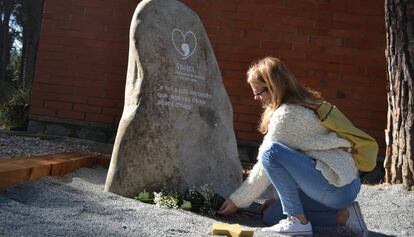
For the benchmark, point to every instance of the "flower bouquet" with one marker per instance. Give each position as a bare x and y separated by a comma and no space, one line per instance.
201,200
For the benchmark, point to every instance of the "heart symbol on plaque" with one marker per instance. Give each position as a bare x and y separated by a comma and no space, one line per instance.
185,44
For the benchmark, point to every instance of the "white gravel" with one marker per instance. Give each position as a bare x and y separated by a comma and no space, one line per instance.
75,205
20,145
388,209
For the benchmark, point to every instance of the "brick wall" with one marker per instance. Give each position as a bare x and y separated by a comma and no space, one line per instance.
336,47
82,58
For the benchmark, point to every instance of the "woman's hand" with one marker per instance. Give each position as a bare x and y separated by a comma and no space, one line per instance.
267,204
228,208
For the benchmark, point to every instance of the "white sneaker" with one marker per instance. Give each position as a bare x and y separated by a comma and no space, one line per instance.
356,221
291,227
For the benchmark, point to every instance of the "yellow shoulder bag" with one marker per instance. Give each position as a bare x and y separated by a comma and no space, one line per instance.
364,147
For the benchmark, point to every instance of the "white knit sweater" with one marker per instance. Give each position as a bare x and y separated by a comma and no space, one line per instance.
300,128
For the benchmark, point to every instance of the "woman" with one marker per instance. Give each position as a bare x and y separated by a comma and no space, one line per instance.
307,164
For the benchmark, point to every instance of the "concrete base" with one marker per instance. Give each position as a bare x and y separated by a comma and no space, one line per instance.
104,133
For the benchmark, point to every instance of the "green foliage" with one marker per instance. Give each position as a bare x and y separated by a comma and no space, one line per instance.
145,197
211,200
195,198
203,200
14,36
14,113
13,69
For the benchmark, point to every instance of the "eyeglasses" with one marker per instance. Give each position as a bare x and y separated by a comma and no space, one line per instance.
260,92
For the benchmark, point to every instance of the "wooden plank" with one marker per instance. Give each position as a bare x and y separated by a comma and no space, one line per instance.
8,178
103,161
40,157
39,172
64,167
17,170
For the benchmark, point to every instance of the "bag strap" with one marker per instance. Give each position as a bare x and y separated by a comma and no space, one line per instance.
327,114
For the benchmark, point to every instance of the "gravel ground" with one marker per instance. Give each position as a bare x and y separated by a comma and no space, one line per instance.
14,144
75,205
388,209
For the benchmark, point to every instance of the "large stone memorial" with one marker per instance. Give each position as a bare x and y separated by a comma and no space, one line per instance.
176,127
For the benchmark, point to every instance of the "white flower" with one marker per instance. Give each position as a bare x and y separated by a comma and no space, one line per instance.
165,201
186,205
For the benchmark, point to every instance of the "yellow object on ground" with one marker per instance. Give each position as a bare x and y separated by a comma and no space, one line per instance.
232,230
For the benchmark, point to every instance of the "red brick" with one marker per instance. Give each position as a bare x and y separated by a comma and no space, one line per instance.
111,111
103,102
252,8
247,127
71,114
35,102
276,44
331,45
247,109
222,5
233,65
302,4
249,101
86,108
236,74
249,118
42,111
249,136
286,55
54,88
119,103
298,21
234,100
116,120
235,117
114,94
42,95
90,92
232,84
73,98
326,40
344,33
346,17
325,58
237,90
58,105
294,38
99,118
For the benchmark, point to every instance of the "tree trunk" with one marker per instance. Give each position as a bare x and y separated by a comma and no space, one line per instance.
399,160
31,33
6,88
23,58
7,8
1,23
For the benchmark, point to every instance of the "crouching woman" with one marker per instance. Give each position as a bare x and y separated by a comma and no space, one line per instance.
308,165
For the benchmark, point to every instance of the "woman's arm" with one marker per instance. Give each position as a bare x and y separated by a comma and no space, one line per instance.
255,184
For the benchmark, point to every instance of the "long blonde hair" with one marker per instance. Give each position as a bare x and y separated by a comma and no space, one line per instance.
282,86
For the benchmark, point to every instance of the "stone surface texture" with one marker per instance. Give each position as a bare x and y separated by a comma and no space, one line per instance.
176,128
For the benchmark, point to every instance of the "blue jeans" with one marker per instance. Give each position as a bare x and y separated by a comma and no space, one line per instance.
301,188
